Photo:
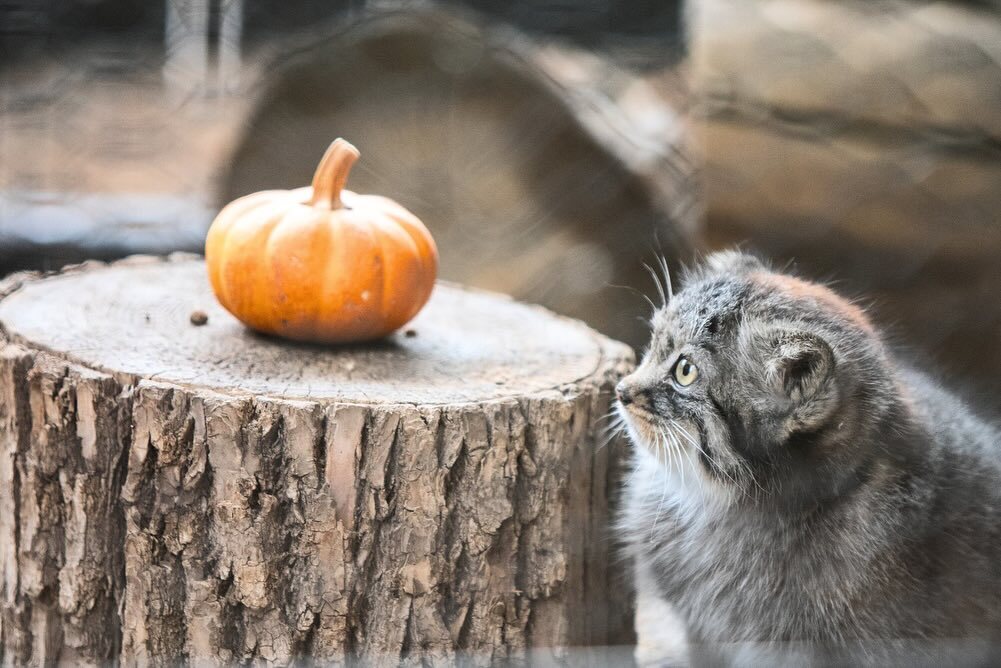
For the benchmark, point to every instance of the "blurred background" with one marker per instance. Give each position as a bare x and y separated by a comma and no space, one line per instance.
552,147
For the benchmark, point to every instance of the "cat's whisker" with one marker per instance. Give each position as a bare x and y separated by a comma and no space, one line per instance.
662,454
694,466
685,454
662,449
667,445
614,424
613,427
632,476
663,495
712,460
753,478
610,419
657,282
610,433
750,475
681,457
603,432
676,445
614,413
674,453
667,277
691,459
653,307
695,444
604,443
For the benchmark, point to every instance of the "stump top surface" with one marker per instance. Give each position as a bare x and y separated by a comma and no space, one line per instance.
135,318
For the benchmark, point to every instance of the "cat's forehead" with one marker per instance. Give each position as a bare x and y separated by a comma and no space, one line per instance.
715,294
714,304
703,309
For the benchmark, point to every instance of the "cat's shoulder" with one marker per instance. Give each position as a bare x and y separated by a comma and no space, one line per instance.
942,411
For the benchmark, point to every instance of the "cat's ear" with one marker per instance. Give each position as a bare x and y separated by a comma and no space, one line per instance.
801,371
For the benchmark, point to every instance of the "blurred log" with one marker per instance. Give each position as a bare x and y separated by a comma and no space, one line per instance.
544,172
176,493
861,140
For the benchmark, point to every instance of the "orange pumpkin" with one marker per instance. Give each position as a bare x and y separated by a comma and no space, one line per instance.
322,263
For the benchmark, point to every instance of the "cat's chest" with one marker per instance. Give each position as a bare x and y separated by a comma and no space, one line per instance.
717,553
735,576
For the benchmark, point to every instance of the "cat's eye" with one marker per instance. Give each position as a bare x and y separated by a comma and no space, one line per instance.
685,372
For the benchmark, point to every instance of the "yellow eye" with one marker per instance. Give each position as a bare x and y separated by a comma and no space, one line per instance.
685,372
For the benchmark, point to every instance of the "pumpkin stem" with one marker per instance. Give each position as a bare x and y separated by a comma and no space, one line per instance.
332,174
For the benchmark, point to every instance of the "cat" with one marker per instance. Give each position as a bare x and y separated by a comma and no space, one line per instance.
794,487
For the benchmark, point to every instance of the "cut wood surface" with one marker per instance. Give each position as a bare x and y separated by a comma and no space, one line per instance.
175,492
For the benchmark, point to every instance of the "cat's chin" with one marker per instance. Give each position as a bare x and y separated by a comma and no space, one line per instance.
642,427
682,468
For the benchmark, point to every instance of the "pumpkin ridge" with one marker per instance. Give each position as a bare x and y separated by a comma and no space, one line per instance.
427,251
215,244
380,257
399,235
417,230
304,314
254,216
324,288
265,281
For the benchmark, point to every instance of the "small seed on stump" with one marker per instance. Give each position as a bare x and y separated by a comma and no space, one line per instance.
199,318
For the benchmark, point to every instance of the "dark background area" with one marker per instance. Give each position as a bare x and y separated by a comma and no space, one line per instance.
29,27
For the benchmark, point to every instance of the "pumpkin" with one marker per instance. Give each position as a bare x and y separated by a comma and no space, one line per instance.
321,263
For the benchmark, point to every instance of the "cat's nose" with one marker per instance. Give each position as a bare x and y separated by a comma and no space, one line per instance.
624,393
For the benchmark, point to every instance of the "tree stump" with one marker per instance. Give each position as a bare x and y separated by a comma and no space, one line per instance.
170,491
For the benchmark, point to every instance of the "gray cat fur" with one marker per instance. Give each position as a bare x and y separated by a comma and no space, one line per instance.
807,487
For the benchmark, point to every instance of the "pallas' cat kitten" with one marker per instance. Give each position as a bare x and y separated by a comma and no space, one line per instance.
793,483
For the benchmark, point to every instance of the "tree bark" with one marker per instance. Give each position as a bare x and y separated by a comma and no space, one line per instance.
172,492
